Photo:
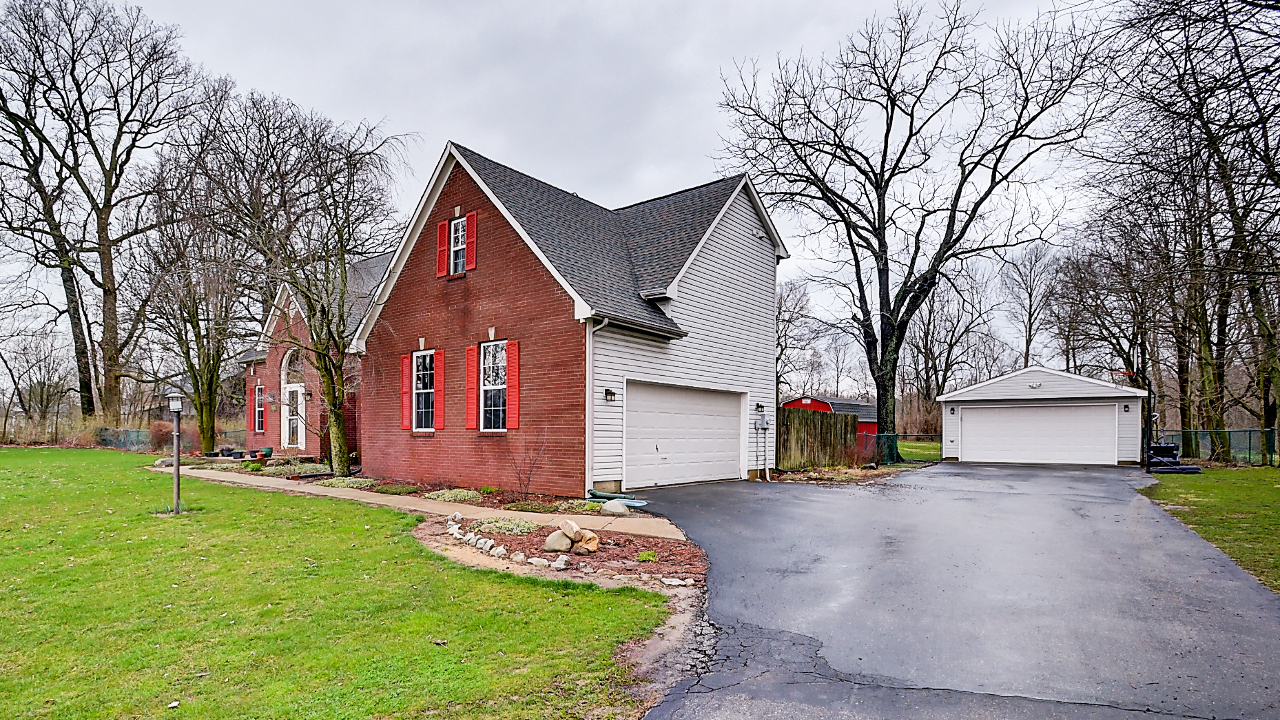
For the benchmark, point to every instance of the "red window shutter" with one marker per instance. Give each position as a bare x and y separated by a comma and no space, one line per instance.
513,385
439,386
442,249
406,392
473,387
249,406
471,240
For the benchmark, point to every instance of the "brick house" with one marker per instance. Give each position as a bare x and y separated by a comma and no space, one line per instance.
283,405
521,327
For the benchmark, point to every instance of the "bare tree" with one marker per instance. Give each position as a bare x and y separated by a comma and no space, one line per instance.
797,335
908,149
87,91
1026,279
311,198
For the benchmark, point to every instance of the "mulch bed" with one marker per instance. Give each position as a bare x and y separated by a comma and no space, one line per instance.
618,551
835,476
498,498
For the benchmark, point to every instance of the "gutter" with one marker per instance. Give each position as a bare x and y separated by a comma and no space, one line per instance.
591,414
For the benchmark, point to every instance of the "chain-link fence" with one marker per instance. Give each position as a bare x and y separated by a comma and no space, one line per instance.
1250,446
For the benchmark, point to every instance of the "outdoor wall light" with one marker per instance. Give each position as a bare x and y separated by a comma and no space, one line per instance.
609,395
759,407
308,394
1126,408
953,411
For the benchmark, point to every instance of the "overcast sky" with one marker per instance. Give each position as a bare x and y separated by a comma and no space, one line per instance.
614,101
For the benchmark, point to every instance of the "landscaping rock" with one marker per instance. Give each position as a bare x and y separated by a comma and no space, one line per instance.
275,462
499,551
561,563
557,541
485,544
588,543
164,462
517,557
570,529
538,562
672,581
614,508
456,517
468,537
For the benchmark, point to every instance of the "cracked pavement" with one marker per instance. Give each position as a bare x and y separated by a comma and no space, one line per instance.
963,591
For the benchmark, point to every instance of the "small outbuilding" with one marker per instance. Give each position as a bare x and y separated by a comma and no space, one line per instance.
866,412
1039,415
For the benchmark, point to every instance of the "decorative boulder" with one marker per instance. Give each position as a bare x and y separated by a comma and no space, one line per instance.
570,529
614,508
557,541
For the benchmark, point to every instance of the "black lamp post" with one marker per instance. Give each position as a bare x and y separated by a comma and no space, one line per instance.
175,406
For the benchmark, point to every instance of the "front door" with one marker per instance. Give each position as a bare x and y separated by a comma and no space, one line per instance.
293,432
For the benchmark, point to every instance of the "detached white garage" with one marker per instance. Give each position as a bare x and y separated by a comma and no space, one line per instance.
1038,415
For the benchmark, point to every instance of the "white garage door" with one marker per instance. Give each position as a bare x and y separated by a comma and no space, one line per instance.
1072,434
680,435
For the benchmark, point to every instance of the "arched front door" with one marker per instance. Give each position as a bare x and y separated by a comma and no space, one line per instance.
293,402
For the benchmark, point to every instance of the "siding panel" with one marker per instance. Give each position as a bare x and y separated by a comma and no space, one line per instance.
726,303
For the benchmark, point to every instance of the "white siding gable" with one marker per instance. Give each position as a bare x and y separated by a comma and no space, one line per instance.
726,304
1038,384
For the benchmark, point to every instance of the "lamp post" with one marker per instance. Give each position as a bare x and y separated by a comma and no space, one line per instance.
175,406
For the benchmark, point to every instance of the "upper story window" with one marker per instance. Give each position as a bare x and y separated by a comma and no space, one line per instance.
493,385
457,245
424,390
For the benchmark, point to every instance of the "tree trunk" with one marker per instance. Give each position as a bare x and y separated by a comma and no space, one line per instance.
332,387
111,360
84,368
886,378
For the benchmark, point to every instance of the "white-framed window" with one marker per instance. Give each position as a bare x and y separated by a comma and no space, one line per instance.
493,385
457,245
259,408
424,390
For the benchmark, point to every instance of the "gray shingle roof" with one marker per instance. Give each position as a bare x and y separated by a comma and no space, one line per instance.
865,411
363,278
609,257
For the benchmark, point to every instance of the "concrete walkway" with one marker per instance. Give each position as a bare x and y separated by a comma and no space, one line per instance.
647,526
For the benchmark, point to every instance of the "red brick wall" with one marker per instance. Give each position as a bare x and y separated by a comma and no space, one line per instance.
511,291
269,373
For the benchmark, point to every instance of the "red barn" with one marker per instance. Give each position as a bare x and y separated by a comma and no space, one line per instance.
866,412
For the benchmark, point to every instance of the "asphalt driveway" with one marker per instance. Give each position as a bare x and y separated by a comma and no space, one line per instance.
962,591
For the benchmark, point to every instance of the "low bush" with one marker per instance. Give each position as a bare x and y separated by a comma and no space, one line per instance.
352,483
647,556
528,506
252,467
458,495
578,506
298,469
505,526
487,490
395,489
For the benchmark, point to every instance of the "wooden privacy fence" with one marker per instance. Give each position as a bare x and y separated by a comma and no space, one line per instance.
807,438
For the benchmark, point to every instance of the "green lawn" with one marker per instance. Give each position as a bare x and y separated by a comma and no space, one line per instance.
917,450
1237,510
265,605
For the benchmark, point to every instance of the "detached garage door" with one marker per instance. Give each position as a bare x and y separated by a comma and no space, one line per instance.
680,435
1070,434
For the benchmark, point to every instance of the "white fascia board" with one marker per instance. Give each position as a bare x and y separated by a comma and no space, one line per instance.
1115,389
581,310
780,250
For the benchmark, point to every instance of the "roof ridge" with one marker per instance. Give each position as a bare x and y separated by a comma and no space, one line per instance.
486,158
738,177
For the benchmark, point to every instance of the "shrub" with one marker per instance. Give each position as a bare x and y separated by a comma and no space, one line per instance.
252,467
529,506
458,495
396,489
352,483
487,490
578,506
647,556
505,526
295,469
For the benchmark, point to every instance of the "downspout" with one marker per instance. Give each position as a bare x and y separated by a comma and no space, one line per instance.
590,415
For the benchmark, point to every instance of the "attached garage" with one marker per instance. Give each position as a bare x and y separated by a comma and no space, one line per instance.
1038,415
680,435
